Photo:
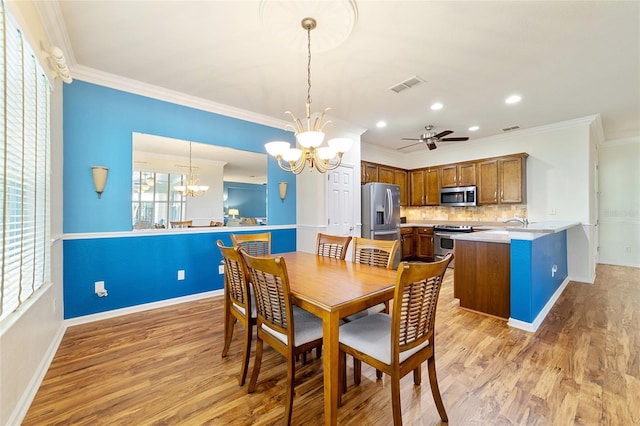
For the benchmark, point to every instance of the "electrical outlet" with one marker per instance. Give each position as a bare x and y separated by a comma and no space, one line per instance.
181,275
627,249
220,269
552,212
554,269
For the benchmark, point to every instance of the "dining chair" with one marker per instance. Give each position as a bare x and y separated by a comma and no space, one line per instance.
288,329
399,343
254,244
332,245
181,223
238,304
380,253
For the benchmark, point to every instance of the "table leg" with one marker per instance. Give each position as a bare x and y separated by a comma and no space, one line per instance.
330,330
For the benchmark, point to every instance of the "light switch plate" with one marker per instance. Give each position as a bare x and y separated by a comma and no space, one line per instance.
181,275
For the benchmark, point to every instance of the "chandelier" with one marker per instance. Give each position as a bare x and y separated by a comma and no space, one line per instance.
309,137
192,189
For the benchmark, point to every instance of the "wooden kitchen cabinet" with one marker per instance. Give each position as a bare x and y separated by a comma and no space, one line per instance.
424,243
400,179
425,187
385,174
461,174
373,172
368,172
482,277
502,180
406,243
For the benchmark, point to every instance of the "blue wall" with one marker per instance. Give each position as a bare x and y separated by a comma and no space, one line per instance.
248,198
98,125
144,269
140,268
531,282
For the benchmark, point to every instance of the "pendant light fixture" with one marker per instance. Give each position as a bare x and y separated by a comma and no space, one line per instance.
192,189
309,136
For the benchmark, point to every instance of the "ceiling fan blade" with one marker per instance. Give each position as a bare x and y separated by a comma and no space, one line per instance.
454,139
442,134
411,139
409,146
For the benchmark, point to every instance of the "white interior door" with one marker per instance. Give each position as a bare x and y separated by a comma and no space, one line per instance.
340,220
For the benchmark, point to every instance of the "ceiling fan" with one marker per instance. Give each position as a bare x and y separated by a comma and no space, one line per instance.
430,138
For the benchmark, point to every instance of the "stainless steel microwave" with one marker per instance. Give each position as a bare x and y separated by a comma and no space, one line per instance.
458,197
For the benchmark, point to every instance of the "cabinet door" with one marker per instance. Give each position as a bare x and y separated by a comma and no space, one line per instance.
424,243
385,175
432,187
370,173
416,188
407,243
400,179
488,182
466,174
511,176
449,175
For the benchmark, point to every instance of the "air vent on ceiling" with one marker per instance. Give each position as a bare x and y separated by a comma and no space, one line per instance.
506,129
407,84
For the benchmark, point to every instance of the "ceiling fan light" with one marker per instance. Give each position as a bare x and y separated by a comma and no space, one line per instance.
474,128
437,106
431,145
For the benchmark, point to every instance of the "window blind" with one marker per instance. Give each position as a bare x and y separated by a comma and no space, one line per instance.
25,170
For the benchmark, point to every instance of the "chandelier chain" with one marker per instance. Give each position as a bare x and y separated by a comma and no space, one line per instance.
309,66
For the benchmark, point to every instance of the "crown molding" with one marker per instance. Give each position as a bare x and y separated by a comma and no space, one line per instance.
54,26
92,75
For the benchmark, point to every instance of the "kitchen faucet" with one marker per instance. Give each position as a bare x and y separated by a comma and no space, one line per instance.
523,221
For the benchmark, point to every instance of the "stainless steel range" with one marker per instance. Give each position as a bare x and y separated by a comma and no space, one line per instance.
442,241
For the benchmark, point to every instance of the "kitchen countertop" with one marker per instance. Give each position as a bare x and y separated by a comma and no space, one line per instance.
506,234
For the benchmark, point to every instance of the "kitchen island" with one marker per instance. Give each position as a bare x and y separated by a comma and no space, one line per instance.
526,266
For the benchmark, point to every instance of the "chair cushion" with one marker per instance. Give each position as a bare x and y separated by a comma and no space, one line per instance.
308,327
369,311
254,313
371,335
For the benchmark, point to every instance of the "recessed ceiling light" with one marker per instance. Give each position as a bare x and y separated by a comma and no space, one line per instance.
473,128
513,99
436,106
380,124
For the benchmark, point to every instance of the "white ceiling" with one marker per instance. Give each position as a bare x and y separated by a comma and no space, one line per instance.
566,59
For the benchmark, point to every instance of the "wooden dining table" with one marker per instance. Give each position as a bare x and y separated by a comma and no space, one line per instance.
332,289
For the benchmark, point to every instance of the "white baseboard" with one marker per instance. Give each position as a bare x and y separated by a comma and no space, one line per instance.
27,397
140,308
533,326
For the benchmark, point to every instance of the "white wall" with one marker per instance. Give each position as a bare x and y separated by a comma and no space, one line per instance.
619,188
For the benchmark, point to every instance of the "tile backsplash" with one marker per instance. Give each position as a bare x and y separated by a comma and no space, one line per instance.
493,213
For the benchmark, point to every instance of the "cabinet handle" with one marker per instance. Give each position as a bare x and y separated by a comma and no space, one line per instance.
501,195
495,195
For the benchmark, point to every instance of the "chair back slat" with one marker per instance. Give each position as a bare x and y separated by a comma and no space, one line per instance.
254,244
271,287
234,276
416,298
334,246
375,252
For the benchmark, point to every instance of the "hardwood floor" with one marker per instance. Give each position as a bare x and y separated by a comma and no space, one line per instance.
164,367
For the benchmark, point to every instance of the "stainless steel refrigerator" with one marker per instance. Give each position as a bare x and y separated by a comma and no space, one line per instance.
381,212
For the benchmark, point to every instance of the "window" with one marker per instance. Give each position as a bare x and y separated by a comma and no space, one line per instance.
24,170
154,202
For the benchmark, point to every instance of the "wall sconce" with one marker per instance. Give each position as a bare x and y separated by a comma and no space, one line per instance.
99,178
282,187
